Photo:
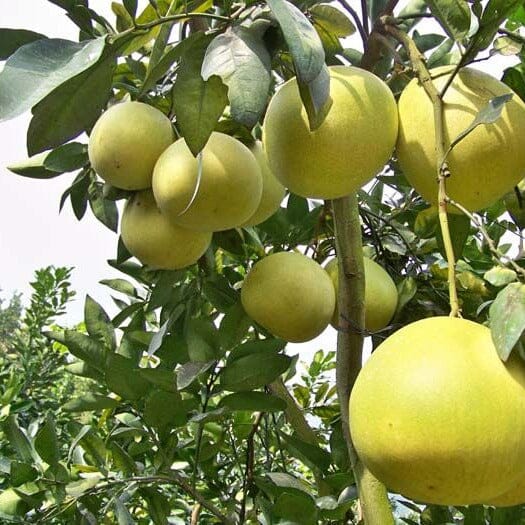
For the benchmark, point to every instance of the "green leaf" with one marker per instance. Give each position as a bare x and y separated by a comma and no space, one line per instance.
17,438
202,340
98,323
406,290
121,286
459,228
123,378
500,276
453,15
198,104
507,318
234,326
312,454
332,19
253,371
33,167
90,402
12,39
103,209
514,77
73,107
46,442
131,7
297,508
122,460
316,99
189,372
122,514
266,346
487,115
20,473
69,157
39,67
165,379
302,39
164,408
239,57
86,348
158,506
253,402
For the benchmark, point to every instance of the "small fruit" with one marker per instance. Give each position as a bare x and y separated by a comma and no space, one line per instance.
126,142
290,295
221,194
380,294
154,240
487,163
438,417
273,191
352,144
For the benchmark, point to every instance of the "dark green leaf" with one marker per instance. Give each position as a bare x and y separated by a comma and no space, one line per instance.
46,442
39,67
33,167
123,378
302,39
507,515
266,346
131,7
202,339
507,318
158,506
69,157
253,371
12,39
241,59
253,401
86,348
20,473
104,210
122,460
17,438
459,228
234,326
164,408
297,508
89,402
313,454
316,98
453,15
198,104
98,324
514,77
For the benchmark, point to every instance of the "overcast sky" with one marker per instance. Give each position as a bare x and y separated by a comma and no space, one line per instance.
32,233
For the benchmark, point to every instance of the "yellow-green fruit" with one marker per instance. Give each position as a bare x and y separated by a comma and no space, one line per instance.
156,241
380,294
438,417
515,496
126,142
484,165
11,504
223,194
272,191
290,295
352,144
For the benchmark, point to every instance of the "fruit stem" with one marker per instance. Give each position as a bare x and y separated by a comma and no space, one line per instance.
373,496
417,61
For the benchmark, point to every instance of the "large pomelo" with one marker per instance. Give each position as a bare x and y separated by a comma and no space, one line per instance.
438,417
351,146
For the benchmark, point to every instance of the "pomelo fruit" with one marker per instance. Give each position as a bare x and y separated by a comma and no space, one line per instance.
438,417
349,148
218,192
290,295
156,241
486,164
126,142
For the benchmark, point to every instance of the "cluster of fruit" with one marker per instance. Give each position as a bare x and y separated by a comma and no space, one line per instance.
435,414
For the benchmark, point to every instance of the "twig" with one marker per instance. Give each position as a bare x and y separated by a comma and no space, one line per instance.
195,514
500,257
357,21
364,17
514,36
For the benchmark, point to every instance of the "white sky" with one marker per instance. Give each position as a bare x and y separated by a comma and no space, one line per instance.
32,233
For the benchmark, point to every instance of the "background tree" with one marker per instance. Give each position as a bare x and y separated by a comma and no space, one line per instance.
191,411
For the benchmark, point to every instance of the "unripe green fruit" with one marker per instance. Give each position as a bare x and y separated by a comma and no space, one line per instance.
352,144
126,142
273,191
380,294
486,164
154,240
438,417
11,504
227,194
290,295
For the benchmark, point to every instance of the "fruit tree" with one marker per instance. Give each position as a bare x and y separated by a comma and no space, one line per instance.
271,168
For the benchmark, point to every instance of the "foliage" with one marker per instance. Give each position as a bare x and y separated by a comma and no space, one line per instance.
182,410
